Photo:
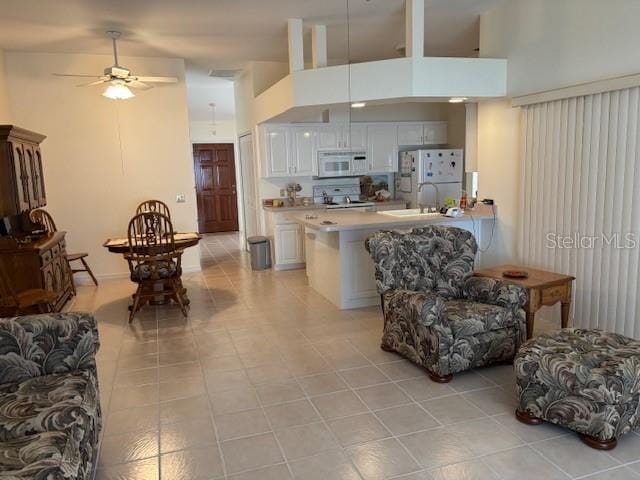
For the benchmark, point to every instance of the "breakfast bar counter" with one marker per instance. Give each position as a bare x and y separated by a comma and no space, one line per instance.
338,265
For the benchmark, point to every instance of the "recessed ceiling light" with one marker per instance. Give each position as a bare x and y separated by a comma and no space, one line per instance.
358,104
457,99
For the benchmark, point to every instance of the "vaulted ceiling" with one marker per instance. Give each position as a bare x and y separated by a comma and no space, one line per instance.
227,33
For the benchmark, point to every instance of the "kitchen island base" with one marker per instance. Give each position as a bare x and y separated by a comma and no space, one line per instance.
340,268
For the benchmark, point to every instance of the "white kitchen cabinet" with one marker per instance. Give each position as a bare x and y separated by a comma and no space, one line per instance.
304,151
276,148
292,150
352,136
423,133
411,134
435,133
382,143
289,246
329,137
356,136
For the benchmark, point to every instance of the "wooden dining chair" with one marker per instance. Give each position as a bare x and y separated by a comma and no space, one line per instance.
155,263
36,300
45,219
154,206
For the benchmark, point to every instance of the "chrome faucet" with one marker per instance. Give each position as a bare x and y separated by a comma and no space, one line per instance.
435,187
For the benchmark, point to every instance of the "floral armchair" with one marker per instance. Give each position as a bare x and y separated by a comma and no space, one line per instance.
436,313
50,417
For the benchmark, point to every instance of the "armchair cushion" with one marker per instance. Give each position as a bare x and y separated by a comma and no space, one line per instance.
52,343
50,403
415,325
143,271
471,318
48,455
495,292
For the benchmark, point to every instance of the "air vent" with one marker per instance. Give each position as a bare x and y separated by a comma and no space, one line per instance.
229,74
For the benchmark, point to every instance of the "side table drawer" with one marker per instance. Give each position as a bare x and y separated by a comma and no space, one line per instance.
552,295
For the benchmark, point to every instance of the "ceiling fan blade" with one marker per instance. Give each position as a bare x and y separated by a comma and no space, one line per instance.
74,75
158,79
137,84
97,82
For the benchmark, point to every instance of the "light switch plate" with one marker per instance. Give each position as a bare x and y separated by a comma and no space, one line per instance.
180,198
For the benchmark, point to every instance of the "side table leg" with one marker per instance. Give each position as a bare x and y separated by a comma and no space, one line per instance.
565,308
530,319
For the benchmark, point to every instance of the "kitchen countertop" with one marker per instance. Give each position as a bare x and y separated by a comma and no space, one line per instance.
349,220
319,206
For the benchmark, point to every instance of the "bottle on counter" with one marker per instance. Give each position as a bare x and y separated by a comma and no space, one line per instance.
463,200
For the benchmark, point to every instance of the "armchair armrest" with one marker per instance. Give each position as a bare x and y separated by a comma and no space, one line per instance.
427,308
495,292
36,345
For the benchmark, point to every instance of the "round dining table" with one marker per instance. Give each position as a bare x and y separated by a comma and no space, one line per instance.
181,241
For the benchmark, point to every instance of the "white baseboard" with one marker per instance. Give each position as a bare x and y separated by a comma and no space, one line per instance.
292,266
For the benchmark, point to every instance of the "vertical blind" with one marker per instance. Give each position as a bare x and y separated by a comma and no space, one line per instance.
581,202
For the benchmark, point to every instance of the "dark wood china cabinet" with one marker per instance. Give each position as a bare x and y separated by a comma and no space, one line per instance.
29,260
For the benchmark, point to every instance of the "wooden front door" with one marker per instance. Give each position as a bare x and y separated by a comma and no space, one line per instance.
215,187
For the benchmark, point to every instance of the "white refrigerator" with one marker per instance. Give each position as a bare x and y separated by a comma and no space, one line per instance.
442,169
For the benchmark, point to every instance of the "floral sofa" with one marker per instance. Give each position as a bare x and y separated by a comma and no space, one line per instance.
436,313
584,380
50,417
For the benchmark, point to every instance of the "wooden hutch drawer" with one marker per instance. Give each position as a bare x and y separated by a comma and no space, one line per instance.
46,257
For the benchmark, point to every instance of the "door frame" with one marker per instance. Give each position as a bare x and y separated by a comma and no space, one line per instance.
243,188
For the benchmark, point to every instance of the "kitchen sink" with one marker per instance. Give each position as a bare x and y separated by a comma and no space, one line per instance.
410,212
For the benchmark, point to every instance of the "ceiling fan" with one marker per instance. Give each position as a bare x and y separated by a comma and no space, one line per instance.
119,78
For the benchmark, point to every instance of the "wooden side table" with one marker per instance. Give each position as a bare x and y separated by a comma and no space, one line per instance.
544,288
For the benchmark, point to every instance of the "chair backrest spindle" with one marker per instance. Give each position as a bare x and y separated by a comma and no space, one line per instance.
44,218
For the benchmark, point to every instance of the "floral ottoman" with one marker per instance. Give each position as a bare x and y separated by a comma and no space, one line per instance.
584,380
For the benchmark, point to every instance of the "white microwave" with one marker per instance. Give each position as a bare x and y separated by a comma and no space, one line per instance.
341,163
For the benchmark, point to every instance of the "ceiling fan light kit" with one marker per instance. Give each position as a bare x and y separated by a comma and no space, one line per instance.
119,78
118,92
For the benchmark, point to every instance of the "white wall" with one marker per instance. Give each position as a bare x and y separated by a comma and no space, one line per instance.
202,132
555,43
499,174
103,157
548,44
5,110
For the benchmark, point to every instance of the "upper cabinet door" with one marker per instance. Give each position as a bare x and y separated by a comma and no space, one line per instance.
276,151
411,134
383,148
21,178
31,162
435,133
355,136
304,154
330,137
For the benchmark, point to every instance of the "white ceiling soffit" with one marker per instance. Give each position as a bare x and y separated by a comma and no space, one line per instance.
400,79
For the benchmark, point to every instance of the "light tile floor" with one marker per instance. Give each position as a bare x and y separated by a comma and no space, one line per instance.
267,380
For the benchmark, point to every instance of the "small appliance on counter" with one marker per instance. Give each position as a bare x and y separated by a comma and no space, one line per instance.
427,177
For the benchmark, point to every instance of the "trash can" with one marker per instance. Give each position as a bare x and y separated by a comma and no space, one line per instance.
260,253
